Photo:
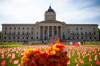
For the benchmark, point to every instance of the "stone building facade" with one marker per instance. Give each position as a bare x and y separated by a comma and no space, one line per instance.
49,28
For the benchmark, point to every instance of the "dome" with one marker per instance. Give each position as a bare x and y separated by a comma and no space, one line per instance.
50,10
50,14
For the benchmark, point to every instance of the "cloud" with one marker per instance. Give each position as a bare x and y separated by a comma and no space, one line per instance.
30,11
81,10
85,3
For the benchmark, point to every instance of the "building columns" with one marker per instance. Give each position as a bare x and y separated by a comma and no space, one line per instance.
50,31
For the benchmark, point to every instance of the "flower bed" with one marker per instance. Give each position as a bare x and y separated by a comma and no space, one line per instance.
55,55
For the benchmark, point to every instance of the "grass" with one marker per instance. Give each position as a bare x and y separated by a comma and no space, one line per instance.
10,44
92,43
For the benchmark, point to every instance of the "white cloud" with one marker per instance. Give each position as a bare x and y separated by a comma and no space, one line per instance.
30,11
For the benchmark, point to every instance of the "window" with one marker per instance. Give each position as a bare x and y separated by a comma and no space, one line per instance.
81,28
17,37
44,38
4,37
14,33
44,32
68,38
85,37
5,33
14,27
23,33
76,28
31,32
26,37
41,27
18,33
81,33
9,37
85,33
93,28
31,37
94,33
77,33
73,37
10,28
32,28
37,37
94,37
90,38
19,28
27,27
89,33
55,32
13,37
77,37
27,33
23,37
81,37
9,33
23,28
5,28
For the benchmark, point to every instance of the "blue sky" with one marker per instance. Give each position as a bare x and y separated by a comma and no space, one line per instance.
31,11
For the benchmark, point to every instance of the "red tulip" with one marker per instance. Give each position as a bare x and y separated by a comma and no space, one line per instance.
98,62
90,58
3,56
13,56
10,61
3,62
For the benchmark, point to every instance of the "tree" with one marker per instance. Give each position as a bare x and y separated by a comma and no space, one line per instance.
0,37
99,33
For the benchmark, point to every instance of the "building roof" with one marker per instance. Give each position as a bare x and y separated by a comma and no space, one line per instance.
50,10
51,21
81,24
17,24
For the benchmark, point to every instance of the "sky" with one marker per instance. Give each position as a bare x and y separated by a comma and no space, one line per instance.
31,11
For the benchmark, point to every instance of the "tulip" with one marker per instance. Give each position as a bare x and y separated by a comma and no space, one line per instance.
13,56
90,58
98,62
3,62
95,58
10,61
16,61
77,64
3,56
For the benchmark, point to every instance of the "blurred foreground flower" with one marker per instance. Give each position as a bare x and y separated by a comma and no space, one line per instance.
55,55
